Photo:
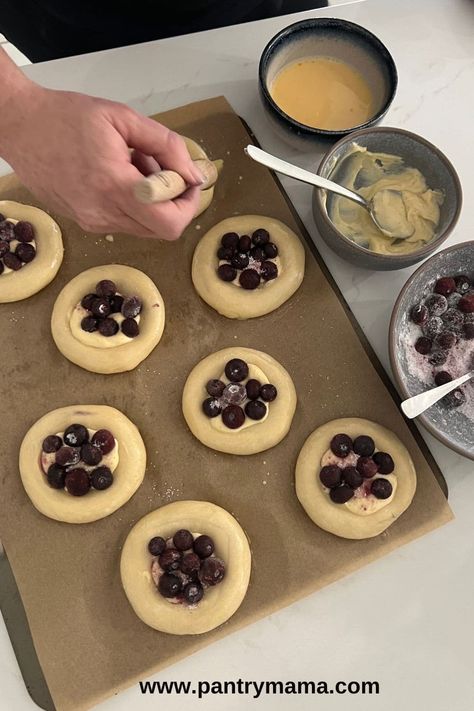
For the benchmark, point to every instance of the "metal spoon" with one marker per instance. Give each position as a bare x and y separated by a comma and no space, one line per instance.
417,404
375,207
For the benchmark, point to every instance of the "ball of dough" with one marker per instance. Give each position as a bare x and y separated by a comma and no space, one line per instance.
32,277
254,436
128,475
108,358
337,518
219,602
229,298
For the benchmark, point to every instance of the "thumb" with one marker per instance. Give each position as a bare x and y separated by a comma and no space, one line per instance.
154,139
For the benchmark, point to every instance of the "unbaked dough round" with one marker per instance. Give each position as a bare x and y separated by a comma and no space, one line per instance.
230,299
263,434
106,359
197,152
128,475
34,276
337,518
219,602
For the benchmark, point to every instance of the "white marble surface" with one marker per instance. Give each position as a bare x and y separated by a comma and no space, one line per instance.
406,620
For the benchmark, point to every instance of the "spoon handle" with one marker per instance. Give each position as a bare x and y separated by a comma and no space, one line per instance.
293,171
417,404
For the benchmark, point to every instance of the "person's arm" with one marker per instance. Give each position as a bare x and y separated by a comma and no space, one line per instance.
72,152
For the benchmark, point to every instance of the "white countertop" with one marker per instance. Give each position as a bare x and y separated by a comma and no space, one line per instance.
406,620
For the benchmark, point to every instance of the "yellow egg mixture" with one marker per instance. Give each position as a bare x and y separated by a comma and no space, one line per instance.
323,92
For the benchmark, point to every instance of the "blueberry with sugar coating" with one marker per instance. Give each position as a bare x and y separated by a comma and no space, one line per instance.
169,585
341,445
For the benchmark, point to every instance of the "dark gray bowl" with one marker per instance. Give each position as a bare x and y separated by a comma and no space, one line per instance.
452,427
417,153
328,37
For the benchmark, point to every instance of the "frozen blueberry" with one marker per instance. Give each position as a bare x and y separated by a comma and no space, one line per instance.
102,478
87,301
364,446
438,357
183,539
463,283
454,399
445,286
330,476
446,340
423,345
131,306
77,482
419,314
271,250
203,546
453,319
226,272
169,585
381,488
234,394
352,477
193,592
236,370
341,494
437,304
211,407
341,445
433,327
466,303
384,462
76,435
215,387
56,476
156,545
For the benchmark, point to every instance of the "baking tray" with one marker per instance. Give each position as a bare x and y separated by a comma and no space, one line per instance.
335,372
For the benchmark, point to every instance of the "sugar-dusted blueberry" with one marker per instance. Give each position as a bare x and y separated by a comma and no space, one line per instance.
269,271
453,319
352,477
203,546
233,417
230,239
76,435
234,394
67,456
438,357
245,243
193,592
215,387
77,482
89,324
102,478
7,232
169,585
131,306
419,314
423,345
437,304
183,539
225,254
453,300
104,440
466,303
130,328
268,392
341,445
156,545
211,407
108,327
252,388
90,455
442,377
24,231
190,564
226,272
341,494
384,462
271,250
106,288
87,301
240,260
116,303
255,409
170,559
463,283
4,247
100,307
433,327
260,237
26,252
364,446
445,340
258,254
56,476
454,399
51,444
367,466
236,370
248,279
445,286
212,571
12,261
330,476
468,331
381,488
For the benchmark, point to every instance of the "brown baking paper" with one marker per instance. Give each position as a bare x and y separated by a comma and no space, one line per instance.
89,642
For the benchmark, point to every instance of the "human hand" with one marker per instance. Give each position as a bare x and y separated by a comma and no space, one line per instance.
72,151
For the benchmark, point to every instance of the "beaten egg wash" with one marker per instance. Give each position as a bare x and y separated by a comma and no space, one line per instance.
322,92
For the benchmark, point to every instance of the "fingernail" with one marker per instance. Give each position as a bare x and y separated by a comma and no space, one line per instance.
198,176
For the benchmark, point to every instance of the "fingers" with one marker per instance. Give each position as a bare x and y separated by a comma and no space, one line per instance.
154,139
145,164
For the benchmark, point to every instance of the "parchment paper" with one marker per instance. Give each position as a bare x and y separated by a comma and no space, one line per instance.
89,642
